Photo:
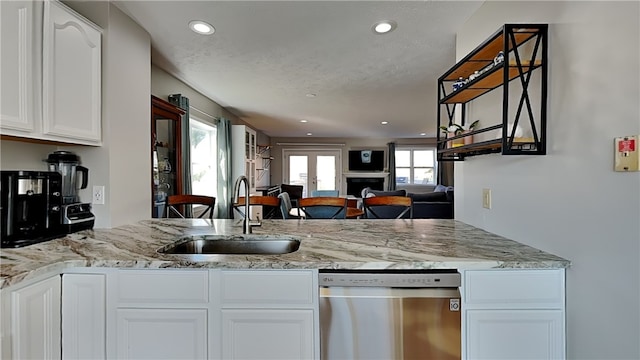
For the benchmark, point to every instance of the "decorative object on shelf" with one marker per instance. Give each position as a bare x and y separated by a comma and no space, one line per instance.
458,83
453,130
499,58
469,138
474,75
165,165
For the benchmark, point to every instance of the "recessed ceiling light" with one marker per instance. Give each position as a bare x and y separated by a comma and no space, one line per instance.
309,134
423,134
383,27
384,122
201,27
311,95
303,121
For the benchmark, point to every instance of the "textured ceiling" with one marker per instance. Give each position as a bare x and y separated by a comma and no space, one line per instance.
265,56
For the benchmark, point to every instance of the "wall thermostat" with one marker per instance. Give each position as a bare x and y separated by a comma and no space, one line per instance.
626,153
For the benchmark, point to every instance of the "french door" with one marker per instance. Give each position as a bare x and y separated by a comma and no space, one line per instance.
313,169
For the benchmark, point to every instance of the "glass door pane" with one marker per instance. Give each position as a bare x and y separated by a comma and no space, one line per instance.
313,169
164,163
325,172
298,170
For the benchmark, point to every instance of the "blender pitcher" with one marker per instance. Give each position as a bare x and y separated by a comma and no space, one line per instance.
68,165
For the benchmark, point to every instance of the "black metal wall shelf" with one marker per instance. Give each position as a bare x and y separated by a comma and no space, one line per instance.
483,73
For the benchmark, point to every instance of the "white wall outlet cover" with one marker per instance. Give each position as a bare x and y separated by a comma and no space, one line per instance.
98,195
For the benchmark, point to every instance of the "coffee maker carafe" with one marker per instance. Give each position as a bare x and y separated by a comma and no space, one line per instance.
76,215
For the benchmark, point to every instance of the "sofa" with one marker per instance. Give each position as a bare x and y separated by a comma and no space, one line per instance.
437,204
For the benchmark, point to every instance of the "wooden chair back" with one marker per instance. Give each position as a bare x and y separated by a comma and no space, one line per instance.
323,207
388,207
175,205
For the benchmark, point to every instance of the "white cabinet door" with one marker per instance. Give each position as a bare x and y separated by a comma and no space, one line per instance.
515,334
514,314
162,334
35,320
267,334
19,66
71,76
83,316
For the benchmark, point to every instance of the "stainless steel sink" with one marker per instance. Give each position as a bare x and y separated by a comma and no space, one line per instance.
246,244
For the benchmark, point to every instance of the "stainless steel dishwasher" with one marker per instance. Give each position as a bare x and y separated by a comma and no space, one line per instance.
389,314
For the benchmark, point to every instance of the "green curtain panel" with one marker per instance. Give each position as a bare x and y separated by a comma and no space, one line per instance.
225,185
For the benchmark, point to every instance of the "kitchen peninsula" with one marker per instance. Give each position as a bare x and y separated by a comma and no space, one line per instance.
501,280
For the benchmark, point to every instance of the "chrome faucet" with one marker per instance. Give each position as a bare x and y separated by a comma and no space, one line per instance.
247,224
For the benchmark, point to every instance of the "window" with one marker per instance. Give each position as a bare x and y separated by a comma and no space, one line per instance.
415,166
204,153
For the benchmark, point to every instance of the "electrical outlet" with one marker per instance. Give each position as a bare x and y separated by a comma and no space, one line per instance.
98,195
486,198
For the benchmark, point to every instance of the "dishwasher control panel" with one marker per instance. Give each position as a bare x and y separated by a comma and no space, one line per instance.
390,279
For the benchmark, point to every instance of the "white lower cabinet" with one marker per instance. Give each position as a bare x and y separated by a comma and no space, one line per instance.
251,314
267,334
515,334
34,327
267,314
513,314
162,334
83,316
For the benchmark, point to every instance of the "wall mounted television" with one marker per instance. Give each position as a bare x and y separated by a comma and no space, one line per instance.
366,160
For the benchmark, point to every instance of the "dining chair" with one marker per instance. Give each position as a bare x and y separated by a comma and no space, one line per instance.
388,207
332,193
270,206
285,206
176,205
323,207
294,191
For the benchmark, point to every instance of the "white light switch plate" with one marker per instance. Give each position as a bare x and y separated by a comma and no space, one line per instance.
486,198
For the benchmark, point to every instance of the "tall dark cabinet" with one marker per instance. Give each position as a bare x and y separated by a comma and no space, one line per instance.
166,157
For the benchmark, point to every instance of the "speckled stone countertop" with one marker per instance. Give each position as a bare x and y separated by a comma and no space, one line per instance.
325,244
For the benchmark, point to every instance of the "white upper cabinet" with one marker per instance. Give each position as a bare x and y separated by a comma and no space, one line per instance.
71,75
51,73
20,32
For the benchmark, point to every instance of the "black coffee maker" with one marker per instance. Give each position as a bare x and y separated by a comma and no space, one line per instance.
30,207
75,215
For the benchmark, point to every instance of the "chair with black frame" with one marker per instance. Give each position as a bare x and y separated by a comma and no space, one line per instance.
388,207
323,207
294,191
270,206
175,205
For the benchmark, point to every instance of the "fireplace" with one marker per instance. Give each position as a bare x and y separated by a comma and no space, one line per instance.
356,184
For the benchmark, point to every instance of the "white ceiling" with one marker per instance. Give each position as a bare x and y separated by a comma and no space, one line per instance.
266,56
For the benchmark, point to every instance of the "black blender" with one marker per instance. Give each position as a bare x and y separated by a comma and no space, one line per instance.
75,215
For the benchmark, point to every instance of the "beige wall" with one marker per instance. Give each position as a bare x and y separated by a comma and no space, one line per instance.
164,84
571,202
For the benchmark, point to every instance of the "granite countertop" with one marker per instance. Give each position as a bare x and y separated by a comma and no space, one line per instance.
325,244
